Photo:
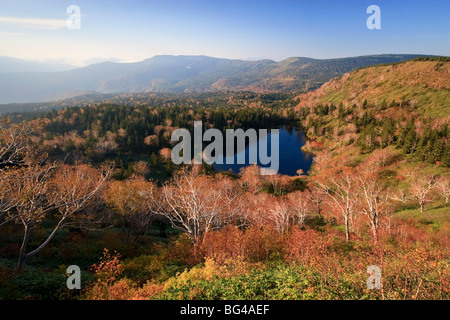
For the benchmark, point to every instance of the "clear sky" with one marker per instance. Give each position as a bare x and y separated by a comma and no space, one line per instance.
243,29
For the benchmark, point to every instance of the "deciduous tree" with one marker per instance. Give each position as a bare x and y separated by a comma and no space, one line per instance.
14,142
421,185
62,190
197,204
443,185
374,195
280,214
129,200
340,185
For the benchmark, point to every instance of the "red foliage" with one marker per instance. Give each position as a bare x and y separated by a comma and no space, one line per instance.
252,244
307,245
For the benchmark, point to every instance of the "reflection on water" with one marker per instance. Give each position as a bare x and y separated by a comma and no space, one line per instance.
292,158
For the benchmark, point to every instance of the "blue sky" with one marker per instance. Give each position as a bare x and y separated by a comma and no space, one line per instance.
245,29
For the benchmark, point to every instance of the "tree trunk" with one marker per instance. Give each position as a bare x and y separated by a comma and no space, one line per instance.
135,239
375,234
347,228
162,230
23,249
375,226
23,256
128,234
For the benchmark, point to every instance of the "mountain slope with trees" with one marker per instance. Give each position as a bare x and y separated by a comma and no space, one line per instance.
423,83
398,151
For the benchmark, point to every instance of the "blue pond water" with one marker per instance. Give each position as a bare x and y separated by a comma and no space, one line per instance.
291,157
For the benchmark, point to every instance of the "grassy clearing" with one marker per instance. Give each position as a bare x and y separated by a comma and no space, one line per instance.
434,214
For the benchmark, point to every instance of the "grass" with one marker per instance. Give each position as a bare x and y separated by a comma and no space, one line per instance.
434,214
431,94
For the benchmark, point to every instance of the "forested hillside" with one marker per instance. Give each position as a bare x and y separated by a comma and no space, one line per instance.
423,83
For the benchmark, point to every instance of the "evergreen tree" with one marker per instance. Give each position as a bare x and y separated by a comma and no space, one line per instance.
437,152
410,142
445,159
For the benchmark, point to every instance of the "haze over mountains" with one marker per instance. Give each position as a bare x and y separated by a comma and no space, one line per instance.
10,65
178,74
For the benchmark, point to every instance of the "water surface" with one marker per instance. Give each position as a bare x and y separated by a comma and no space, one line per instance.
291,157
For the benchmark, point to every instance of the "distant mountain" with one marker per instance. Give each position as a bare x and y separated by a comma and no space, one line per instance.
182,74
425,84
10,65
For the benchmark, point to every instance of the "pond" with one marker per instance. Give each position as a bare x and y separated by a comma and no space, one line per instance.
291,157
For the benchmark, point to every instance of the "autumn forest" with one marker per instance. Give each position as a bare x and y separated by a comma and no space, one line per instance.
93,185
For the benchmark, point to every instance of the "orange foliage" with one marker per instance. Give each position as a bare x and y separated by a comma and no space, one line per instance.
307,245
109,267
252,244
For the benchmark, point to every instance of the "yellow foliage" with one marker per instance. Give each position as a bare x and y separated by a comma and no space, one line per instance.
212,270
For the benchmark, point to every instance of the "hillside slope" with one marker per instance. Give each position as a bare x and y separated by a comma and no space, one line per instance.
425,84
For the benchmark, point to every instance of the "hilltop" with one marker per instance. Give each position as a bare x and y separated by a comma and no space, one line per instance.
425,85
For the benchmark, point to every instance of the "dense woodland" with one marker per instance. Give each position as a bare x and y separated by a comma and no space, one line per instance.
94,186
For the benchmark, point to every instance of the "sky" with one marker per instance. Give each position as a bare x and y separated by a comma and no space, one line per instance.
133,30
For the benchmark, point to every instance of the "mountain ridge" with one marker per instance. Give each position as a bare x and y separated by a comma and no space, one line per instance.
166,73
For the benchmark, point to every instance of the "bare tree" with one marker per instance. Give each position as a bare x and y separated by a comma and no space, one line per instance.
280,214
301,204
129,200
14,148
316,196
14,142
81,194
421,185
400,195
195,203
443,185
7,200
340,185
254,209
28,187
374,194
39,190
